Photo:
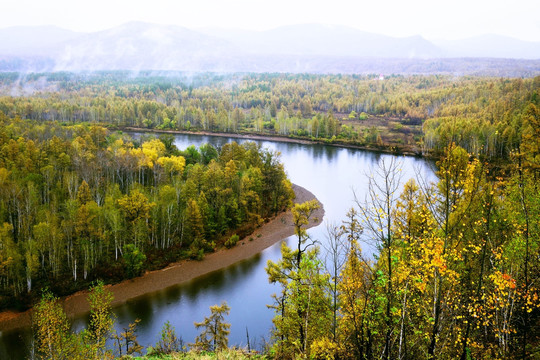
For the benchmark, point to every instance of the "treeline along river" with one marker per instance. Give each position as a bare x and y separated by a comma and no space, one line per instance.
335,175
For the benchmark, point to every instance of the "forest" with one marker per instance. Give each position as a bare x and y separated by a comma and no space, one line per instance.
416,114
455,277
457,268
79,203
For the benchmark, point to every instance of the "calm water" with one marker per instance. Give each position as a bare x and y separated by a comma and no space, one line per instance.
331,173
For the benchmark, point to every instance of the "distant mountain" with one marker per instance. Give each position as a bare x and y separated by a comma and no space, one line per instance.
32,40
327,40
138,45
297,48
495,46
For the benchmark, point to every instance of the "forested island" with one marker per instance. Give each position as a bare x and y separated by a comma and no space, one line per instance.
79,203
457,265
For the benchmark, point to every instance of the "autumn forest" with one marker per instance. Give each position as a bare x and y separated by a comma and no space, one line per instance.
457,264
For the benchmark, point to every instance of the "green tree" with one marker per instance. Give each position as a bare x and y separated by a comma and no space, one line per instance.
195,228
168,343
302,216
134,260
101,319
378,212
215,332
83,194
355,295
304,307
128,338
135,206
52,328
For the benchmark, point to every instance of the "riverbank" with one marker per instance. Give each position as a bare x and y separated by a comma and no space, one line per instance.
275,230
254,136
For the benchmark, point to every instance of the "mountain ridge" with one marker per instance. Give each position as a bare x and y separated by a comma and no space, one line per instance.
293,48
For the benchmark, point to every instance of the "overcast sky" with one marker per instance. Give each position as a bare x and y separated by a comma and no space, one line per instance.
432,19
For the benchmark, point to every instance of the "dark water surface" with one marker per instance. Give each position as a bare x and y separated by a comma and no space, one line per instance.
331,173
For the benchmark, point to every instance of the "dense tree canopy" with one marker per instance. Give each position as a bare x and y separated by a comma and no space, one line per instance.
485,116
456,273
79,202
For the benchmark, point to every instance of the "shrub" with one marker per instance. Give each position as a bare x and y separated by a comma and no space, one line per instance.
134,260
168,343
232,241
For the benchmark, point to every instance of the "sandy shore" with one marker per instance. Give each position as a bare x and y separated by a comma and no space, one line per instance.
275,230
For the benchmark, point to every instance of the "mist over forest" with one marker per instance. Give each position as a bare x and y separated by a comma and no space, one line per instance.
104,184
308,48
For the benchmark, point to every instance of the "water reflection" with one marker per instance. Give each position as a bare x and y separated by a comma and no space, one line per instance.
330,173
16,344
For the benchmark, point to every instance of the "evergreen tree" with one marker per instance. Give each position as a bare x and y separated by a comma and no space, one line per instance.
215,331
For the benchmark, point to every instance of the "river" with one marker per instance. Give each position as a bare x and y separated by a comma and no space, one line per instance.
333,174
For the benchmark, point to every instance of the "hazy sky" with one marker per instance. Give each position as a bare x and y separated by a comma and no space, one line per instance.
429,18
